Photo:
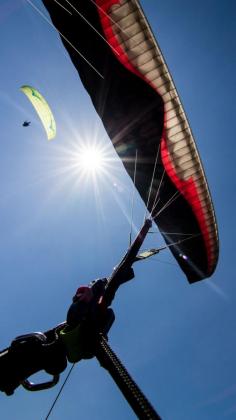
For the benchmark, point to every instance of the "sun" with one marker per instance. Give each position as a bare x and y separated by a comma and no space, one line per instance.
91,159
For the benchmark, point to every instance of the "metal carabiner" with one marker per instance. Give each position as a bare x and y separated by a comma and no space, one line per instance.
34,339
31,386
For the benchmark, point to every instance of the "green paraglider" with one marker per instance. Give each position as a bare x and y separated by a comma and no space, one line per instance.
42,108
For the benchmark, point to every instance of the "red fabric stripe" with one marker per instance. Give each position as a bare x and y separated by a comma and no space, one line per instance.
111,37
189,190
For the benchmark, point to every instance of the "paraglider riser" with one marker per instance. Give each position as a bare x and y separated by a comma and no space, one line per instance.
132,393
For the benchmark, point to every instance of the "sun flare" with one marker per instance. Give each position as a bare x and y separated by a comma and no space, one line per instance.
91,159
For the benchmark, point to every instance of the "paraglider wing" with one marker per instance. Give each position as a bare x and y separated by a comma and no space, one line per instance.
132,90
42,108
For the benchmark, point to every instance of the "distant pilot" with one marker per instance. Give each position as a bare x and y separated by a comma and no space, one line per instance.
26,123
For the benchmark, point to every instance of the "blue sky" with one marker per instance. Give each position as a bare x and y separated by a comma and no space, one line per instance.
60,229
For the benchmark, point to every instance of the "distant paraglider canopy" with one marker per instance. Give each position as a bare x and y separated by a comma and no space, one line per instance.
124,72
43,110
